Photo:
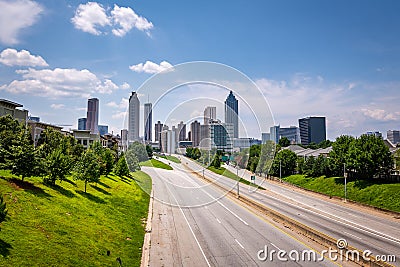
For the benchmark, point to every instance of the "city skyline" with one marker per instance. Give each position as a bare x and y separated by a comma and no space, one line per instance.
344,67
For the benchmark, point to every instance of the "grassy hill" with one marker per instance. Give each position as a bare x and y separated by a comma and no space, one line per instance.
63,226
378,194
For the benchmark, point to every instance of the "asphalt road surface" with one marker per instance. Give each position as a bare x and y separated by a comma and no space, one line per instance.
194,224
359,228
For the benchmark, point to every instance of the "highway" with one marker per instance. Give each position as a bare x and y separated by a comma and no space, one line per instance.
363,230
193,224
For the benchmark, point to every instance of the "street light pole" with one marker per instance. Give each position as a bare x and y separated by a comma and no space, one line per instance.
237,174
345,182
280,171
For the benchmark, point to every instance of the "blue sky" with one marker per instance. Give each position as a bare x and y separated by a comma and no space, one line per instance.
339,59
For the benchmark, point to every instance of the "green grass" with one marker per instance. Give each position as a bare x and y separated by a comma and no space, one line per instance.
374,193
171,158
156,164
63,226
231,175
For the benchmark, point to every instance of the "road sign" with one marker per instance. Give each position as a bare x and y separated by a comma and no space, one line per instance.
253,177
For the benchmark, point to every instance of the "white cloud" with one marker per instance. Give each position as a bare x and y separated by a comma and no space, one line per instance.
380,114
125,86
57,106
88,17
15,16
59,83
119,115
122,105
151,67
126,19
12,57
93,18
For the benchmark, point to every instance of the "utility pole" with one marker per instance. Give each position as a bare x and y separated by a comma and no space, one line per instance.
280,171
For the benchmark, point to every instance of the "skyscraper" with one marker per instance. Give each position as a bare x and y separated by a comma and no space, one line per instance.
393,136
312,130
133,120
195,131
231,113
103,129
93,115
82,124
210,113
181,131
157,131
148,122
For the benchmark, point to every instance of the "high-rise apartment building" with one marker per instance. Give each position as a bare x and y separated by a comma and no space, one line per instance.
195,132
92,117
103,129
210,113
231,113
292,133
181,131
82,124
124,139
148,121
221,136
393,136
133,118
312,130
157,131
274,133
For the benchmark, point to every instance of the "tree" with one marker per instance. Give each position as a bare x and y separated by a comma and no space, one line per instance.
325,144
57,166
132,161
266,157
284,160
340,153
216,162
3,209
284,142
108,159
139,150
397,159
87,169
10,130
121,168
149,151
23,155
369,156
254,157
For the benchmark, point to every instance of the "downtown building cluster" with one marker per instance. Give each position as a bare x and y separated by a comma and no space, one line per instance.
213,133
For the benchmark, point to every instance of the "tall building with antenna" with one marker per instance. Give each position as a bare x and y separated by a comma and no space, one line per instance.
133,118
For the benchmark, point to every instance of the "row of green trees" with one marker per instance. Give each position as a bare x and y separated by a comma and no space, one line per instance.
207,157
57,156
363,158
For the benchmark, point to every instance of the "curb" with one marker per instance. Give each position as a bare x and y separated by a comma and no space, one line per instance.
145,261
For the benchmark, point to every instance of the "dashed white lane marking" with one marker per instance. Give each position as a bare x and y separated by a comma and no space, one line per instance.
218,221
352,235
239,243
275,246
